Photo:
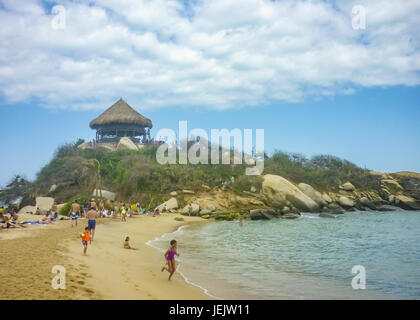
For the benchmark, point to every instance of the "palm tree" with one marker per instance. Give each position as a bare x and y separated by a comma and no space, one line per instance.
96,166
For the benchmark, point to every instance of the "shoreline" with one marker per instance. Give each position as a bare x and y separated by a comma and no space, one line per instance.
119,274
205,291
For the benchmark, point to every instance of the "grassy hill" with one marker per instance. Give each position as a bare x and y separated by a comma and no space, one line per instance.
137,176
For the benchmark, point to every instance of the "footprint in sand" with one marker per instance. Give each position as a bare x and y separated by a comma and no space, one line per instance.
81,282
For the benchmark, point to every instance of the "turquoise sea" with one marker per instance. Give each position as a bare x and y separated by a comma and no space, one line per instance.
305,258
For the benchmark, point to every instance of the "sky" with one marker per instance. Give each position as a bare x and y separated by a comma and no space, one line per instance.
310,73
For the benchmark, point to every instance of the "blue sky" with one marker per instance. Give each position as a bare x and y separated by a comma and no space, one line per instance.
298,70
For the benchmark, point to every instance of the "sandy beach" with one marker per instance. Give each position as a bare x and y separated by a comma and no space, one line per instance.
107,272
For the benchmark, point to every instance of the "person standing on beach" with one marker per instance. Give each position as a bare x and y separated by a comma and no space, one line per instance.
189,209
92,215
123,213
101,208
170,259
75,210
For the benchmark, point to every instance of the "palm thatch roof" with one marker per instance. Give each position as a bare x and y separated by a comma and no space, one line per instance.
120,113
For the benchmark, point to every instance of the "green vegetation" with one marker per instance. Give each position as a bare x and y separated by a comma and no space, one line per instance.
137,176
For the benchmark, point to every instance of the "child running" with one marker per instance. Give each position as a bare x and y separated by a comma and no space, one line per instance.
127,244
85,239
170,259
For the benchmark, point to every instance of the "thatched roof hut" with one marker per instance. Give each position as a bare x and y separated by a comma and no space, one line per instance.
120,112
121,120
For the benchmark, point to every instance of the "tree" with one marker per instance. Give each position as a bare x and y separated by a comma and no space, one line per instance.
16,189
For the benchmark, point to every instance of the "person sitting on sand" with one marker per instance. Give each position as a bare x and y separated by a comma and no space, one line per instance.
85,239
127,244
170,259
38,211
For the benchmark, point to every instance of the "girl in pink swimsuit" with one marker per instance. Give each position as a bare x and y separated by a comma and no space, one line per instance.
170,259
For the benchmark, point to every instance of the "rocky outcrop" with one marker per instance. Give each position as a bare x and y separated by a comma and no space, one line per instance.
108,195
348,186
126,144
173,194
312,193
367,203
279,192
406,202
326,198
188,192
410,181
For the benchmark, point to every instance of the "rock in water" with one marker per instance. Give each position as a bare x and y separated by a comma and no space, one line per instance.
406,202
279,192
387,207
326,215
126,144
367,203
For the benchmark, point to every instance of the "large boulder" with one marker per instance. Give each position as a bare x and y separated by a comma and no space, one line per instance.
348,186
326,198
44,203
312,193
107,195
279,192
387,207
346,202
126,144
195,209
27,209
172,204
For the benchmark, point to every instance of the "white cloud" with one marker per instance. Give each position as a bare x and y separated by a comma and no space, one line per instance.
218,54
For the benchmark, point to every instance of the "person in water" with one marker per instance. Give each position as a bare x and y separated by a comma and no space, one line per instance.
170,259
127,244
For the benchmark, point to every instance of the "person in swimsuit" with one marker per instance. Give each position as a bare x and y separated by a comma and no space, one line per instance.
85,239
170,259
92,215
75,210
123,213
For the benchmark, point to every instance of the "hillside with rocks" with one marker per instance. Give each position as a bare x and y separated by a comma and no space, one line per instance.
289,185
